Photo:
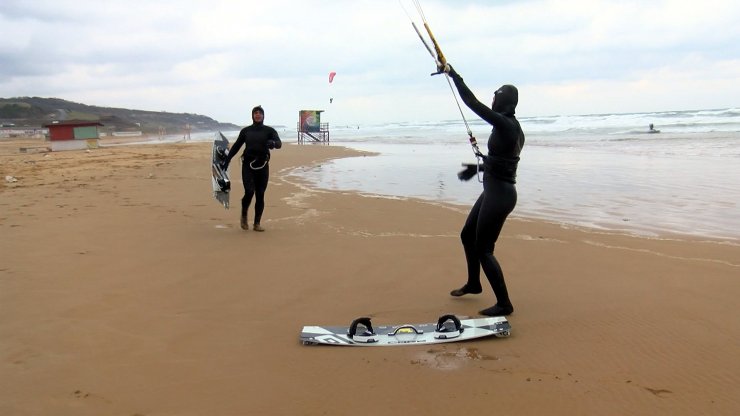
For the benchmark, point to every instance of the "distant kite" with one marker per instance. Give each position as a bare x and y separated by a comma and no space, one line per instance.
332,74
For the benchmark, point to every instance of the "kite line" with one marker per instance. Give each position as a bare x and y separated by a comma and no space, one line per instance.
441,61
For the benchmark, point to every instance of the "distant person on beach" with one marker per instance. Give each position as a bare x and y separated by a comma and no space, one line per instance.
257,139
652,129
499,196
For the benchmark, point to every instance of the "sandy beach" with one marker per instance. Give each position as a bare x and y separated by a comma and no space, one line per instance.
126,289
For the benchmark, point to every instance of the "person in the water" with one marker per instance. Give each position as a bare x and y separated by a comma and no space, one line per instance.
499,196
257,139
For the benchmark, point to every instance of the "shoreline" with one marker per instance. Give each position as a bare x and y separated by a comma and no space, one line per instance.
563,224
126,288
652,196
632,229
7,147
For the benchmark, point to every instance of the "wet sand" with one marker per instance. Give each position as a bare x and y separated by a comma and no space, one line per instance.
126,289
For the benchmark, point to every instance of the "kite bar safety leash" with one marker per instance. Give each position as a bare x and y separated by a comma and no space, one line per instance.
441,61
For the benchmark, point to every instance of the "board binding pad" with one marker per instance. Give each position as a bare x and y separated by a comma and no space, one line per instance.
220,177
448,328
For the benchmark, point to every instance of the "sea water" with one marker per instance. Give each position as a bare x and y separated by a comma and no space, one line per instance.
603,171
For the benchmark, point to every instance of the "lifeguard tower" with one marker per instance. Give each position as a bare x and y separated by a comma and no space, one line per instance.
310,128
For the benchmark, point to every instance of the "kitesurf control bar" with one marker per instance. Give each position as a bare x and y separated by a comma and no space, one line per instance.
441,62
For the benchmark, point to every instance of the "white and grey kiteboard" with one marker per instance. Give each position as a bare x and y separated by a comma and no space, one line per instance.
448,328
220,177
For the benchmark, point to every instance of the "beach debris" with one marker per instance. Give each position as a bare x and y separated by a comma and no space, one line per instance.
150,176
34,149
10,179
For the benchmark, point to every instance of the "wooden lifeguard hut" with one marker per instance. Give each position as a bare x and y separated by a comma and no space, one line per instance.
73,135
310,128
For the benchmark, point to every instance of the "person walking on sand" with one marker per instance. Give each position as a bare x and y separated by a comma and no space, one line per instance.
257,139
499,196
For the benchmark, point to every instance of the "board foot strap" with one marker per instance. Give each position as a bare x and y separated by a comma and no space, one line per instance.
367,336
448,326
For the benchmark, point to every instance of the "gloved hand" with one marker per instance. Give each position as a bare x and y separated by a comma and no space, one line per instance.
271,144
444,68
467,173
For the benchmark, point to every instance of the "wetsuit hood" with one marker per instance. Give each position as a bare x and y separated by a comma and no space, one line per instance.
258,109
505,100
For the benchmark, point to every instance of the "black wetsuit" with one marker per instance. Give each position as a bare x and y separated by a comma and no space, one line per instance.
499,196
258,139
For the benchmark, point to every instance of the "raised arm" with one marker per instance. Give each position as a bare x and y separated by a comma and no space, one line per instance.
483,111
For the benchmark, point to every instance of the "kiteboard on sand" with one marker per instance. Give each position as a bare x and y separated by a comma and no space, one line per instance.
220,177
448,328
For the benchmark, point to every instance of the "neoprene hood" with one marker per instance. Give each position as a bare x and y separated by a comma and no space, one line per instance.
257,109
506,100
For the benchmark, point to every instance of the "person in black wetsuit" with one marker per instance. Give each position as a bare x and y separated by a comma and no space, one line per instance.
487,217
257,139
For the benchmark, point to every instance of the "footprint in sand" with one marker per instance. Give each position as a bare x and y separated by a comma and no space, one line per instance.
450,359
79,394
658,392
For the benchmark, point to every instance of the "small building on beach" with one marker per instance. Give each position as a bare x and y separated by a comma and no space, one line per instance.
73,134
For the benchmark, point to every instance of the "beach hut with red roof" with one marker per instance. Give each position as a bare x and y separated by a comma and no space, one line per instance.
73,134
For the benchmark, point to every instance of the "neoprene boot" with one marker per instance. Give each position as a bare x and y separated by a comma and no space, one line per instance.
503,305
466,289
498,310
244,224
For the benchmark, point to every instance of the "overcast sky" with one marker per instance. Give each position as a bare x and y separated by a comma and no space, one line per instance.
220,58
